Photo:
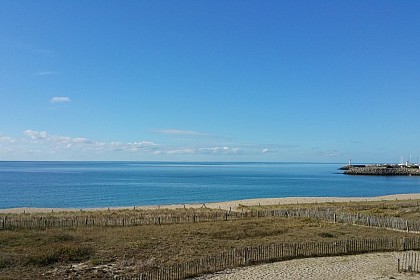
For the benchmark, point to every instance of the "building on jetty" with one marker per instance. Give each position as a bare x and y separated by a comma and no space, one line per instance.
407,169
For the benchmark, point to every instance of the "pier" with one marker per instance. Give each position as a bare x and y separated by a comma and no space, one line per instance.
382,169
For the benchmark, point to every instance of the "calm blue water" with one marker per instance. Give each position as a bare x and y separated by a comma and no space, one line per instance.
103,184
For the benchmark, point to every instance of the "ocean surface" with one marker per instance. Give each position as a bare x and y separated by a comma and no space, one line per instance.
107,184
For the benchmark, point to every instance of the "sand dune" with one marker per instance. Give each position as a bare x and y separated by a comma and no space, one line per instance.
378,266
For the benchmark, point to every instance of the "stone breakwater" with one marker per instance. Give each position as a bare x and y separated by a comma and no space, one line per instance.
382,170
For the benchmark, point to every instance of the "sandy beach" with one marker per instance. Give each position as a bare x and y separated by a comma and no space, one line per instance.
377,266
226,205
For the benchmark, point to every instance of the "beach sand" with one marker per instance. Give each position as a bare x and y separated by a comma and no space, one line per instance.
227,205
378,266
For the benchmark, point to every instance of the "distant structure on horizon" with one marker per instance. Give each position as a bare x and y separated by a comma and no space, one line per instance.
402,169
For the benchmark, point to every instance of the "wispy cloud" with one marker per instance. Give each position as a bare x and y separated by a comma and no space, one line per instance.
36,135
142,146
205,150
6,139
269,150
180,132
42,73
34,49
332,153
219,150
42,51
328,153
43,136
40,143
58,142
60,99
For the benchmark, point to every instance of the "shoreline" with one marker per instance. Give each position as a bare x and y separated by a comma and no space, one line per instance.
225,205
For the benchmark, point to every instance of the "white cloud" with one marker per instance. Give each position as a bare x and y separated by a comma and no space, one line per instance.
43,143
42,73
332,153
58,142
68,140
269,150
326,153
7,145
180,132
143,146
7,139
180,151
205,150
36,135
60,99
219,150
35,49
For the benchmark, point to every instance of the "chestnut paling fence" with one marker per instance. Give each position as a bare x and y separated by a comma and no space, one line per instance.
275,252
138,219
409,262
243,256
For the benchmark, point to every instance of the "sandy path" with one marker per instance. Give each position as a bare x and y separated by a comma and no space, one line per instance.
231,205
378,266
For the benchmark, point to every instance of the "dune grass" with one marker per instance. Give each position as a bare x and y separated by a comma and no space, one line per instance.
100,251
406,209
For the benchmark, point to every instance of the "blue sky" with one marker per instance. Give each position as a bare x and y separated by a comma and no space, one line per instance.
320,81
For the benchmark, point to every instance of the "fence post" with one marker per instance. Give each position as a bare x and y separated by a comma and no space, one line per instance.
346,247
335,218
402,245
245,255
406,225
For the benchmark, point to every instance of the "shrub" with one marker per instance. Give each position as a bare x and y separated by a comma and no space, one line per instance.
63,253
326,235
5,262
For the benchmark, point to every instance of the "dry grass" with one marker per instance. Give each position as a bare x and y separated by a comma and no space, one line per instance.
406,209
129,250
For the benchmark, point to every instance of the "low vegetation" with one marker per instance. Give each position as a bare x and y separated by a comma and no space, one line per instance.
98,252
406,209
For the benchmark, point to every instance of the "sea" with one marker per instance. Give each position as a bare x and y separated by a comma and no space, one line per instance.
114,184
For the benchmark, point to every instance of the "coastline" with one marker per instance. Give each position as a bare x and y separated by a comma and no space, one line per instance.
225,205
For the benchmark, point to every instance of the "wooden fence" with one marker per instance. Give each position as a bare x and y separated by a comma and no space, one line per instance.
410,262
274,252
20,221
23,222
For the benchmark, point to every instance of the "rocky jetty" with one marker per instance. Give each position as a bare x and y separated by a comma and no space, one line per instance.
382,170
